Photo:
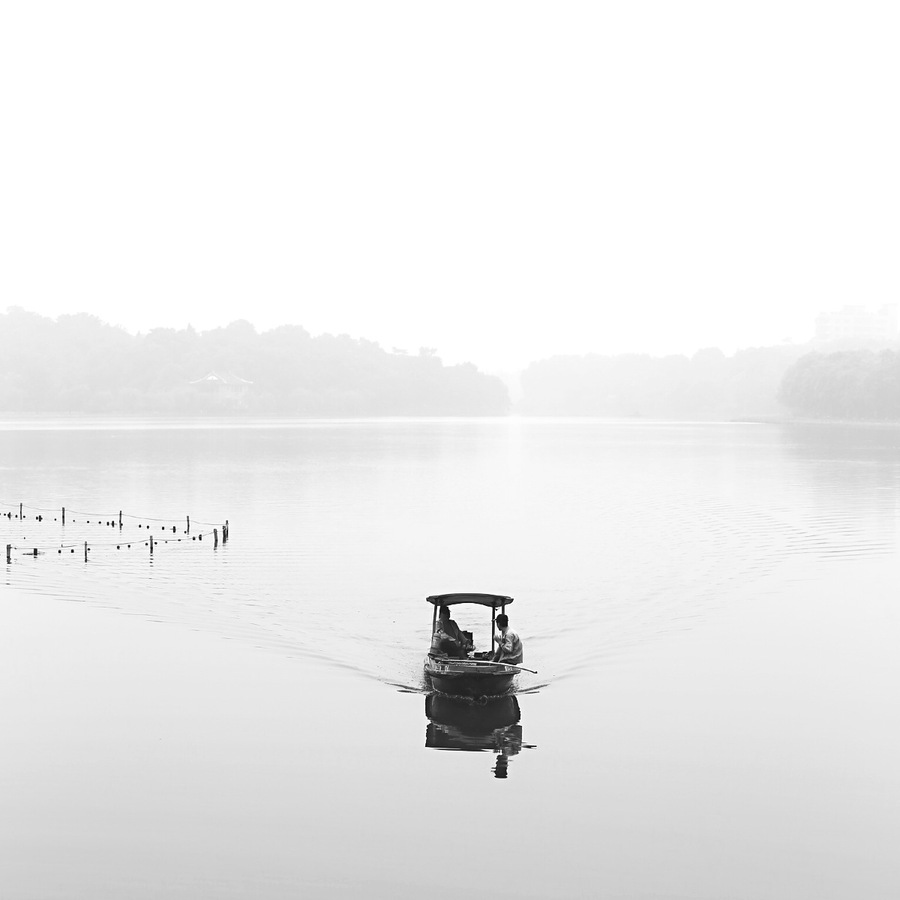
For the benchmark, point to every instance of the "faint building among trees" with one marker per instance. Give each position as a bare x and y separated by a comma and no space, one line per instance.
858,323
223,390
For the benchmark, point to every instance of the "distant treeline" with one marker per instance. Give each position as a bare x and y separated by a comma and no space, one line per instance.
78,364
852,384
709,385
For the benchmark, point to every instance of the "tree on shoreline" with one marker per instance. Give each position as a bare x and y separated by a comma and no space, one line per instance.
848,384
79,364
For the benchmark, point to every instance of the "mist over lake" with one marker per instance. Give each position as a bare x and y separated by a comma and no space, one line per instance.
314,311
710,609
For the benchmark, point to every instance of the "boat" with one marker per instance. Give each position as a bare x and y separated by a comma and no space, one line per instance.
476,675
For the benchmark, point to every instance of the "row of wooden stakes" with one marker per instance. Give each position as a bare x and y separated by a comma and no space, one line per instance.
115,520
151,543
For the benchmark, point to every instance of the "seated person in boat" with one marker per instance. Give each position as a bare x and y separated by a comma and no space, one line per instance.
509,644
448,638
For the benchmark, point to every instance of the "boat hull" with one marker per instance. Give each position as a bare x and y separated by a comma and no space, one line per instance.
466,678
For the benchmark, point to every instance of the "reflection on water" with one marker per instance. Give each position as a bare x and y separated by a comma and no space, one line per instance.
491,725
852,473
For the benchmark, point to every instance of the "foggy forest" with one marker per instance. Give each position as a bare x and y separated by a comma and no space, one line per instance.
77,364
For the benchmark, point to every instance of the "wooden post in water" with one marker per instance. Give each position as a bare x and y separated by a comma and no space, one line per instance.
64,515
85,551
151,545
120,518
35,552
20,512
8,554
188,531
215,538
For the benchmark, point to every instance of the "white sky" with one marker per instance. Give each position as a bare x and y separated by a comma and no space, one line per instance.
499,180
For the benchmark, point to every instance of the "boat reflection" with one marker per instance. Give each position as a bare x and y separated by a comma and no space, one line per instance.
455,723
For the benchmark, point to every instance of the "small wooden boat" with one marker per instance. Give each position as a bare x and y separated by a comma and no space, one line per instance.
475,675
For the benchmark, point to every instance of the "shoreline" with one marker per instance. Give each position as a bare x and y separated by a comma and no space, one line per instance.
801,420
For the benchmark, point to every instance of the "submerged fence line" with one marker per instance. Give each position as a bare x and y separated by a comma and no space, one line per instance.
16,512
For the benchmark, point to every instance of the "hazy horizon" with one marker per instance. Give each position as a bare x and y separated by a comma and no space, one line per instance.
411,350
501,182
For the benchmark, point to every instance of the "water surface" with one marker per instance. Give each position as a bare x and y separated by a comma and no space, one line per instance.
710,608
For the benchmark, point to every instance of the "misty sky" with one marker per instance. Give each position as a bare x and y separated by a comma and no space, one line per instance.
499,180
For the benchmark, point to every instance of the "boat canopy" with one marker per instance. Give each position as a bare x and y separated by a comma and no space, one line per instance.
495,601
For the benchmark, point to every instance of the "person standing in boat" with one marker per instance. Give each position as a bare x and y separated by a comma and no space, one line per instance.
509,644
447,637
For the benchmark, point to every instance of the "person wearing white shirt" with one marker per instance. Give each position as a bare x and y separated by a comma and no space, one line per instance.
509,644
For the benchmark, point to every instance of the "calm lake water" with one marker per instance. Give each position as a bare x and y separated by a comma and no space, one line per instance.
711,609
